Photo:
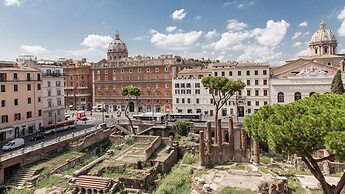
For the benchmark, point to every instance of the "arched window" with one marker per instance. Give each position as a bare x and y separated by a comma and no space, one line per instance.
311,93
280,97
298,96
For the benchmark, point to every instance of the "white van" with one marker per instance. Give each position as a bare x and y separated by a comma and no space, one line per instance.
15,143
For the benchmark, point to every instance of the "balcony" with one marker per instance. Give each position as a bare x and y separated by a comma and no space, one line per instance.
53,74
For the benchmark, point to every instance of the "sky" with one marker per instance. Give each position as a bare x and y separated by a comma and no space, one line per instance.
255,30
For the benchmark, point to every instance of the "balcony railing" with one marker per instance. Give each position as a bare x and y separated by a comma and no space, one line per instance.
54,74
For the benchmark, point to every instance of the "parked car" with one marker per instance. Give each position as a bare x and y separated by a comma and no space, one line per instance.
13,144
37,136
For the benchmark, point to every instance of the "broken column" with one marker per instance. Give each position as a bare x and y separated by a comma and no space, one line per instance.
219,133
256,149
202,148
244,143
231,134
209,137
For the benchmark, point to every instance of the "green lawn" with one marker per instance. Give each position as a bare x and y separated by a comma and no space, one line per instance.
228,190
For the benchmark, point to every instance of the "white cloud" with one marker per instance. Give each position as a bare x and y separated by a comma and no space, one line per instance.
178,14
341,15
341,29
296,35
304,52
231,40
221,58
234,25
297,44
342,51
33,49
230,3
306,33
12,2
198,17
176,41
303,24
211,34
170,28
144,37
257,52
239,4
96,41
273,34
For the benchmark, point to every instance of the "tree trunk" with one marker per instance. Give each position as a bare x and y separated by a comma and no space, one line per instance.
315,170
215,124
129,119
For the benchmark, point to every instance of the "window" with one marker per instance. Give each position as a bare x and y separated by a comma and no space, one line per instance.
265,102
49,93
182,100
189,111
197,85
265,93
15,76
230,73
311,93
177,100
197,91
239,73
249,103
58,92
39,113
223,73
38,86
15,87
58,83
29,115
248,72
177,85
157,69
188,85
257,103
188,100
4,119
298,96
249,111
183,85
264,72
197,100
29,100
248,92
3,88
147,69
248,82
48,83
215,73
189,91
280,97
177,91
28,77
256,82
3,103
256,72
256,92
211,101
39,99
17,116
29,87
15,102
265,82
58,101
183,91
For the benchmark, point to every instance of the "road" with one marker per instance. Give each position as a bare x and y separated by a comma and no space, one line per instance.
96,119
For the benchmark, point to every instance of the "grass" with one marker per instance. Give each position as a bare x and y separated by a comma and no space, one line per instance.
51,163
240,166
16,191
264,159
52,180
263,170
190,159
229,190
178,181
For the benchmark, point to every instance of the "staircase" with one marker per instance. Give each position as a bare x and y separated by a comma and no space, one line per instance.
25,177
124,130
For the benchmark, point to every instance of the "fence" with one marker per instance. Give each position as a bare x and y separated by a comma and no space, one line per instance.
41,145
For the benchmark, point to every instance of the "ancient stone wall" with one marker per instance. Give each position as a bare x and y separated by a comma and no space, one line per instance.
153,146
170,160
69,164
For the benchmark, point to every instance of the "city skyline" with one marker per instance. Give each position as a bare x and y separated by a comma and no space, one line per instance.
235,30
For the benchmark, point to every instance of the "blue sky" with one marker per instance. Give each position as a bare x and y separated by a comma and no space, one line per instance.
266,30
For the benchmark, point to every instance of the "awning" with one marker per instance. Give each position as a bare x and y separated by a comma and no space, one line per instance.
6,129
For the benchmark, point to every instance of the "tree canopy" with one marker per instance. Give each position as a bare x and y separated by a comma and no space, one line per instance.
337,84
302,127
129,92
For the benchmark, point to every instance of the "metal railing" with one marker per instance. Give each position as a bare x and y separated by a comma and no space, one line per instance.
41,145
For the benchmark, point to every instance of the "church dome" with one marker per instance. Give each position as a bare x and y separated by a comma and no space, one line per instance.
117,45
323,35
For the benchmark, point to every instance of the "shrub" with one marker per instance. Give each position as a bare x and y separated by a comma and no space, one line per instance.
178,181
129,139
190,159
181,128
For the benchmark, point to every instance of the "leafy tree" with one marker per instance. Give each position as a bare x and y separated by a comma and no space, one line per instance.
337,84
181,128
130,92
302,127
221,89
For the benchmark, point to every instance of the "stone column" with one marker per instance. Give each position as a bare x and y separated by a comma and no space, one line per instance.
209,136
219,133
202,148
256,152
244,143
231,134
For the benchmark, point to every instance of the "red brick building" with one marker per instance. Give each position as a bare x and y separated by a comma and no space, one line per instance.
152,75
